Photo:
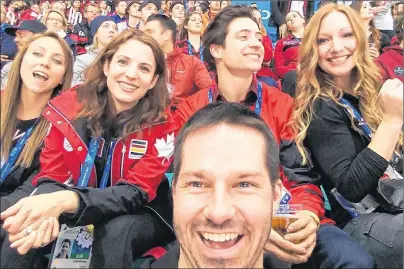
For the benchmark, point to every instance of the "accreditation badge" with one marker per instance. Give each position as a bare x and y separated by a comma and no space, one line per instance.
73,247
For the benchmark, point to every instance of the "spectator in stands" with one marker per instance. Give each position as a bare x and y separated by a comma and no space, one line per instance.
105,9
234,50
390,61
74,14
81,32
287,49
104,30
8,49
148,8
120,11
177,14
59,6
43,9
224,4
22,35
377,40
122,105
56,22
383,17
133,14
40,72
221,157
280,9
31,11
394,40
265,74
186,74
338,97
209,15
190,42
12,12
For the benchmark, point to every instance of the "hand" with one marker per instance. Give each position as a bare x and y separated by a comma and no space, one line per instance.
379,9
374,53
391,101
31,211
298,244
47,232
282,31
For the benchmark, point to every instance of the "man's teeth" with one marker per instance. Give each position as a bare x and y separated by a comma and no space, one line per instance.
219,237
339,59
127,86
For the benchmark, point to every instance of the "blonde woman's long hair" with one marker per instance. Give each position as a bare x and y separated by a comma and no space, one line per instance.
10,102
314,83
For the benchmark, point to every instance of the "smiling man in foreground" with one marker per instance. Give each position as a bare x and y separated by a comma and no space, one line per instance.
226,184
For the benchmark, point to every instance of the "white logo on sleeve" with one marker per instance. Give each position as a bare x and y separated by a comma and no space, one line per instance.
67,146
165,148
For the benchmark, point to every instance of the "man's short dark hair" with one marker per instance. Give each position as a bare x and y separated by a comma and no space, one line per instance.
167,23
217,30
233,114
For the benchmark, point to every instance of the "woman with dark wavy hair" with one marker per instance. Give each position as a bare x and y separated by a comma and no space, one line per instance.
112,138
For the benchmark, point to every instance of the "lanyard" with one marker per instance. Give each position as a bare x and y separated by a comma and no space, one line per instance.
200,50
365,127
89,162
257,103
15,152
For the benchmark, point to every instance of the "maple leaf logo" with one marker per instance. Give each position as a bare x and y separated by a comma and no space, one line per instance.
165,148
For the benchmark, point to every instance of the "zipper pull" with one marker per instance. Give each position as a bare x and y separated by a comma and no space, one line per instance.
123,149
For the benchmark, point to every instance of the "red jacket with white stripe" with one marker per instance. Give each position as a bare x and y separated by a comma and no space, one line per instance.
286,55
136,172
276,111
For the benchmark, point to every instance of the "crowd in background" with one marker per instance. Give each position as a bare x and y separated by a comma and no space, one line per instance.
98,80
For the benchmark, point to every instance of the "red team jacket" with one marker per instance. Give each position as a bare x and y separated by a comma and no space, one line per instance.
138,158
286,55
187,73
276,111
390,63
266,71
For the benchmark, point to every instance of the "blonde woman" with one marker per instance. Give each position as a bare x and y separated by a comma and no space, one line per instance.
41,70
103,29
56,22
352,128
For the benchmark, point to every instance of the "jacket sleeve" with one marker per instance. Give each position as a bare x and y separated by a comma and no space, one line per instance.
201,75
4,75
280,66
276,13
301,180
78,72
52,162
382,69
268,51
353,173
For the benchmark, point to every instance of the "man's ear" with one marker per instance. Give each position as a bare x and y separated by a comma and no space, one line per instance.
277,194
216,51
106,68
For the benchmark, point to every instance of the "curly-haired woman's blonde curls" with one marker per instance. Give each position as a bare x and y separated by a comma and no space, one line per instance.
314,83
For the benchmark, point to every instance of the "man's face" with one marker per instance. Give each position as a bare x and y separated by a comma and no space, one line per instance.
155,30
121,8
148,10
76,4
21,37
59,6
223,199
91,13
134,10
243,50
214,5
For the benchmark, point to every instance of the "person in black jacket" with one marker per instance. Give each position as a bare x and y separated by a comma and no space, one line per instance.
37,76
353,132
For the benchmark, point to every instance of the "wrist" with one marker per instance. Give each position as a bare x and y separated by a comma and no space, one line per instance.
393,123
68,200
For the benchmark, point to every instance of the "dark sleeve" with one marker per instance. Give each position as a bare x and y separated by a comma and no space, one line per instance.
22,191
330,140
98,204
310,10
384,41
276,13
